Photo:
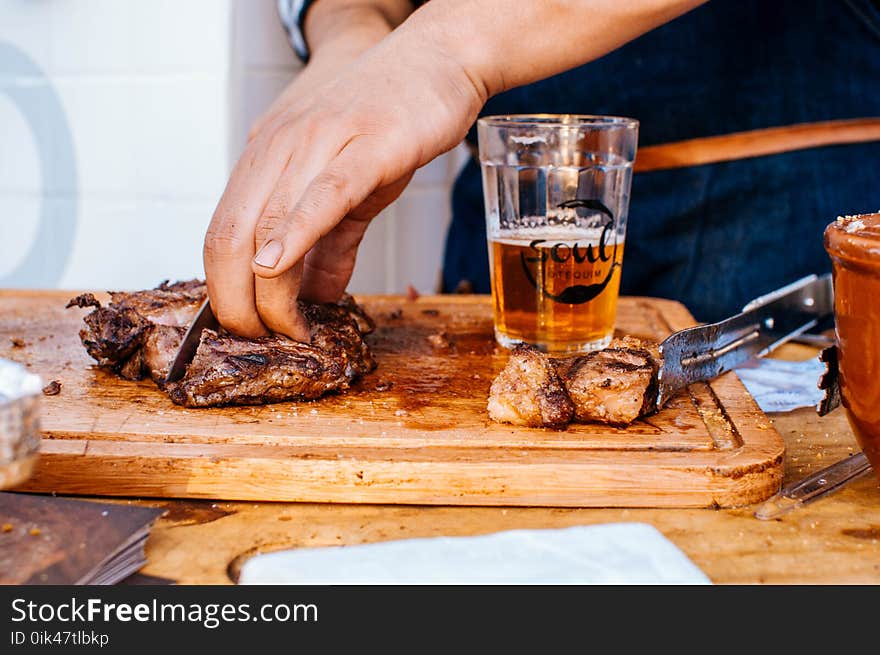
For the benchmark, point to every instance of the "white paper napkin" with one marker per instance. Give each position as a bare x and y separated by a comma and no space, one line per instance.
781,386
614,553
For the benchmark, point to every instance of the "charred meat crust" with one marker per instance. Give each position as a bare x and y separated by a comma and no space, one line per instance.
528,392
138,334
616,385
112,335
83,300
168,304
363,321
229,370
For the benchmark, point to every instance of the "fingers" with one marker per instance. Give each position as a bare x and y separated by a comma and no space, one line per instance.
344,184
329,265
276,297
277,304
229,242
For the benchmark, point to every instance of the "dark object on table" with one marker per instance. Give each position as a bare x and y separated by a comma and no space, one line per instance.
829,381
139,333
49,540
139,579
52,389
83,300
814,486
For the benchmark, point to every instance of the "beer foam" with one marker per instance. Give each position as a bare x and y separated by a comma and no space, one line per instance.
568,234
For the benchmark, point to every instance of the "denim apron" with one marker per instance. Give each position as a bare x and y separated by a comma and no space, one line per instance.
715,236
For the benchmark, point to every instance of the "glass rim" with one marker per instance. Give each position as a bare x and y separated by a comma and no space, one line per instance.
558,120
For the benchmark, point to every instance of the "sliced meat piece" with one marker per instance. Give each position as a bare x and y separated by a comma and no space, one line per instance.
136,335
132,368
338,330
83,300
363,321
168,304
616,385
528,392
159,350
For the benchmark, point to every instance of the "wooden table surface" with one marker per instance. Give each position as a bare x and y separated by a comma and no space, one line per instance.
835,540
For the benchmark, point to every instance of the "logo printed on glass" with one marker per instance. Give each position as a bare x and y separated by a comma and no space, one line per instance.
562,253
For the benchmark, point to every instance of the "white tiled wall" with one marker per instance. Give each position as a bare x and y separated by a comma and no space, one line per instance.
155,99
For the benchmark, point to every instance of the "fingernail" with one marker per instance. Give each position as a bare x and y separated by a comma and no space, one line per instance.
269,254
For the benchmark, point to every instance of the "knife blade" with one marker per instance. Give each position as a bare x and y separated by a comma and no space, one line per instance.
703,352
204,319
814,486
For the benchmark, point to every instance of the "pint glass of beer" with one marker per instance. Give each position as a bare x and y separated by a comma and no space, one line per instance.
556,189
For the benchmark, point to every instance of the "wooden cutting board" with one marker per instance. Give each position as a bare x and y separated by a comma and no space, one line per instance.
414,431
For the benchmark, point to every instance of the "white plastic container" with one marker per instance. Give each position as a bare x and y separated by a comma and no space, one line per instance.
20,393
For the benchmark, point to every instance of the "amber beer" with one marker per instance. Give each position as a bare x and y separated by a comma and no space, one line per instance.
558,294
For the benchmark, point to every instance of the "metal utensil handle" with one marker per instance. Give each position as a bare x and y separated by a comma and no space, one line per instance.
814,486
706,351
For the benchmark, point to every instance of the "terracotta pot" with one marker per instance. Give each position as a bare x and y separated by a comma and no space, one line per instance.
853,243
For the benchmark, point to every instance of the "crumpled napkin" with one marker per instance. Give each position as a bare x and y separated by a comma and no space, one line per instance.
781,386
613,553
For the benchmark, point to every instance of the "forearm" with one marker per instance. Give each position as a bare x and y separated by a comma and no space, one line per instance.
352,25
503,44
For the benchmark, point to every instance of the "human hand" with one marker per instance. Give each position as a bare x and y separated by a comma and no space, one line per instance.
318,168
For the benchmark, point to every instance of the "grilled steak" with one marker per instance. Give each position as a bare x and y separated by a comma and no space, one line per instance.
138,334
616,385
528,392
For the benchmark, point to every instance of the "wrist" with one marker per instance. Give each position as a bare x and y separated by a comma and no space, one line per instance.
345,25
458,45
